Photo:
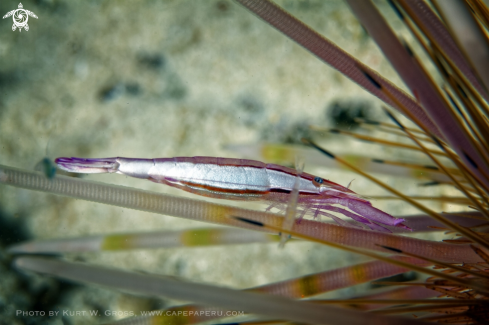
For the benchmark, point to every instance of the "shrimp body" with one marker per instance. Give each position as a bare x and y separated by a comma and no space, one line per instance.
240,179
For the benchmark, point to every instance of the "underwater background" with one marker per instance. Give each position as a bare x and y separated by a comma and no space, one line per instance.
155,79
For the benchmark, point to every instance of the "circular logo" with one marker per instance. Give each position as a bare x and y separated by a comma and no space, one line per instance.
20,18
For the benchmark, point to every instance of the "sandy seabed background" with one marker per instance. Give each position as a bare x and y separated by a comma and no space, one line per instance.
161,79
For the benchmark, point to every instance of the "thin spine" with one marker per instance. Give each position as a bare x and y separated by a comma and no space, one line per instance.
450,199
402,58
190,238
314,284
260,322
144,240
477,189
451,118
413,74
219,214
435,52
394,132
331,54
397,293
481,253
436,31
367,302
157,285
419,206
410,284
466,101
467,35
467,219
457,75
388,126
374,140
463,169
465,172
445,170
476,126
445,318
376,256
444,148
481,12
468,176
410,309
402,301
414,166
477,144
284,154
438,263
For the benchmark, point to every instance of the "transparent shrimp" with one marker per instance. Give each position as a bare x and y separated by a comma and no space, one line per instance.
242,179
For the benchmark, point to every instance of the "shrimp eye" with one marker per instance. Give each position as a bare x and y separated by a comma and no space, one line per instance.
318,181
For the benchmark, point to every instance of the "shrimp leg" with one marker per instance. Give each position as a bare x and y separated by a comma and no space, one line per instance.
355,217
292,206
366,210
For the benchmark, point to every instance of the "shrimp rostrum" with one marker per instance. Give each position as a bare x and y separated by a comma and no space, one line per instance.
243,179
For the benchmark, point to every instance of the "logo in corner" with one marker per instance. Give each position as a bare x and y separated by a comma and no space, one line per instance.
20,17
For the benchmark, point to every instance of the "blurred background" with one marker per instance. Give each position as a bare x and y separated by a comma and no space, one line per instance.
154,79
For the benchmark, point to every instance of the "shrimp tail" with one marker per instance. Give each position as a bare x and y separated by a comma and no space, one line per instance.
88,166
